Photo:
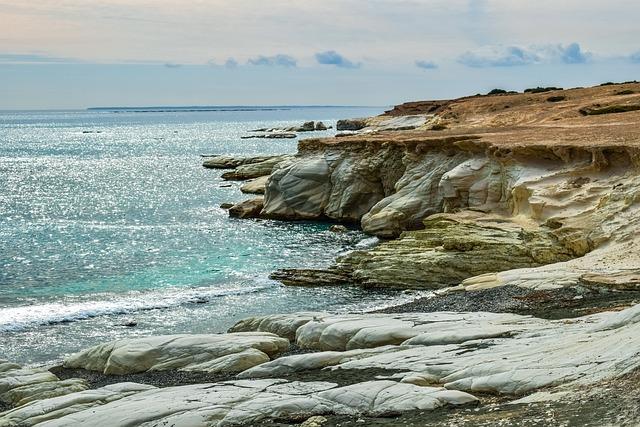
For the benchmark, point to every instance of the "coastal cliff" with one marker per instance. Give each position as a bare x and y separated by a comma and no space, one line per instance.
521,211
506,182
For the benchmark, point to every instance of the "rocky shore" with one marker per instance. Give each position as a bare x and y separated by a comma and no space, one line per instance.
519,212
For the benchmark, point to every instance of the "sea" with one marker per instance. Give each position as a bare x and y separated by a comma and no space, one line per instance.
107,219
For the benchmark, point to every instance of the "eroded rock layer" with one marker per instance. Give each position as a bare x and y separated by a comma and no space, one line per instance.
524,182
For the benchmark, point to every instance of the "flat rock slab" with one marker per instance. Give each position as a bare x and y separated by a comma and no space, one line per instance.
207,353
230,403
473,352
232,162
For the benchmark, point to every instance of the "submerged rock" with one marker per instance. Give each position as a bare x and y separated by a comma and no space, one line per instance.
271,135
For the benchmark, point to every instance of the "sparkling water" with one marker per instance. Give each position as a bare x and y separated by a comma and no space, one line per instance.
108,217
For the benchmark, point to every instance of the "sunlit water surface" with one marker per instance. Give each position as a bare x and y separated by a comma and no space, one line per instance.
107,217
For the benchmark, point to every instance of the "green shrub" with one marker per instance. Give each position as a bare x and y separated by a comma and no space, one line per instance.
625,92
612,109
496,92
541,89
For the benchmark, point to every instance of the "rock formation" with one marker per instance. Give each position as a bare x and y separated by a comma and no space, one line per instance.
523,183
414,363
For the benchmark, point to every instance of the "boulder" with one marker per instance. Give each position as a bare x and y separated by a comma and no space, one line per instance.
247,209
351,124
320,126
207,353
307,127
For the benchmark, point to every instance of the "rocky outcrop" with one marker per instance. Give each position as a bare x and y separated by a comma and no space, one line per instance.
206,353
351,124
247,209
420,361
255,186
232,162
472,352
341,183
527,184
256,169
450,249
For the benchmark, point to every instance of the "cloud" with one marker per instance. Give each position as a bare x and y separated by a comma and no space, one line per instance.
331,57
19,58
426,65
498,56
635,57
271,61
172,65
573,54
513,56
231,63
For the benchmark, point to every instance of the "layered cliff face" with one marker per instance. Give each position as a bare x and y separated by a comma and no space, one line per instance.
539,184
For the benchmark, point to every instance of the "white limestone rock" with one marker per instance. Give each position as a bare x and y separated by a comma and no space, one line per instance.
24,394
229,403
51,411
209,353
284,325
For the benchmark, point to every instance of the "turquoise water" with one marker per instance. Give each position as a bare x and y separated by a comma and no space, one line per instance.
108,216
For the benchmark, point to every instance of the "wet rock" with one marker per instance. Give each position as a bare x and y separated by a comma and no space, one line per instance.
337,228
311,277
320,126
226,205
247,209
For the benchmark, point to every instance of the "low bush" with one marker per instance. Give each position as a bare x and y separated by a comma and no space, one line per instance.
541,89
612,109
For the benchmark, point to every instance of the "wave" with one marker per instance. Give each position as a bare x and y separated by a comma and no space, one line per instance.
14,319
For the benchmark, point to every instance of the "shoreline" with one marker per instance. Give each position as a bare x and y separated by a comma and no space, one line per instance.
517,214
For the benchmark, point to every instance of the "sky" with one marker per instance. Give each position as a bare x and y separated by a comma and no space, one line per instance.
80,53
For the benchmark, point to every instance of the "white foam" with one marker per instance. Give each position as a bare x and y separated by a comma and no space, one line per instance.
24,317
